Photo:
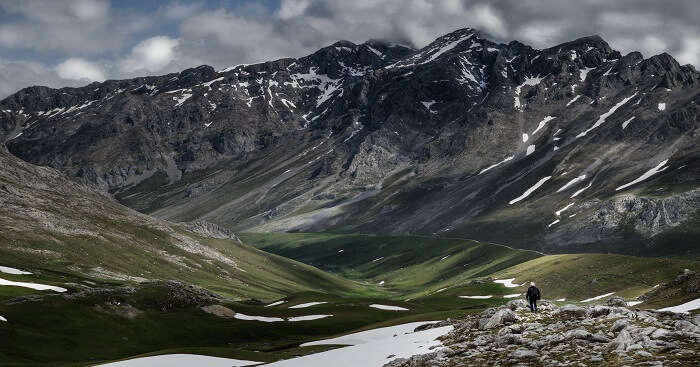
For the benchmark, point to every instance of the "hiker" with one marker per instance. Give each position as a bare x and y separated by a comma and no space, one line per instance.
533,294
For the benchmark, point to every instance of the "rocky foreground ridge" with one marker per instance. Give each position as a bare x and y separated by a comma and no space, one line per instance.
569,335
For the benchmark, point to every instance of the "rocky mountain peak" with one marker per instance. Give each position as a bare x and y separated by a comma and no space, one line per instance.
456,137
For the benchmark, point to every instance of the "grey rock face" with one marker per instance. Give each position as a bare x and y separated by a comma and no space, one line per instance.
440,140
210,230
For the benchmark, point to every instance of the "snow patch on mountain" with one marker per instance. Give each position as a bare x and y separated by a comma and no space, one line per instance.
530,190
604,116
659,168
584,72
542,123
496,164
627,122
572,183
558,212
530,149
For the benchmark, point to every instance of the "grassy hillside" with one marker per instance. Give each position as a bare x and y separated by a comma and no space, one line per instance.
53,225
582,276
83,329
408,266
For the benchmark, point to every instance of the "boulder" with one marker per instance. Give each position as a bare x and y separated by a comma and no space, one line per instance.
687,326
571,311
516,304
659,333
616,301
599,311
577,334
619,325
508,339
219,310
501,317
622,343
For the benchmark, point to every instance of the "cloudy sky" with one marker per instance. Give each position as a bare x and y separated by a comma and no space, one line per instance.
73,42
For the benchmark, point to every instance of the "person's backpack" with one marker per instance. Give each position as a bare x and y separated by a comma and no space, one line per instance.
533,293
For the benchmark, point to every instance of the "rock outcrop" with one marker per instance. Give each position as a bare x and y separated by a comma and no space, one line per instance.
566,336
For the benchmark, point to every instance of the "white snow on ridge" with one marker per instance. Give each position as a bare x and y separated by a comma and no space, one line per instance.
598,297
273,304
633,303
9,270
37,286
553,223
525,138
558,212
388,308
530,190
530,149
508,283
446,48
182,99
511,295
604,116
307,318
627,122
209,83
542,123
476,297
685,307
181,360
375,51
528,81
584,72
496,164
3,319
241,316
661,106
646,175
427,104
573,100
309,304
572,182
581,190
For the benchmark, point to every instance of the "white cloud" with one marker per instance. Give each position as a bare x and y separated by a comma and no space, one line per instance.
540,34
690,52
178,10
79,69
150,55
67,27
292,9
487,19
15,75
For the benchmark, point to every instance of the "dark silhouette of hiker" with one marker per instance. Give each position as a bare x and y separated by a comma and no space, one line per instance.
533,295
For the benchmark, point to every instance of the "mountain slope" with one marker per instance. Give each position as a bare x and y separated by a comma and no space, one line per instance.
59,229
572,148
404,266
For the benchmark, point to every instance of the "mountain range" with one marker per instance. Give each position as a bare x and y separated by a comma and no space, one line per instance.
573,148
